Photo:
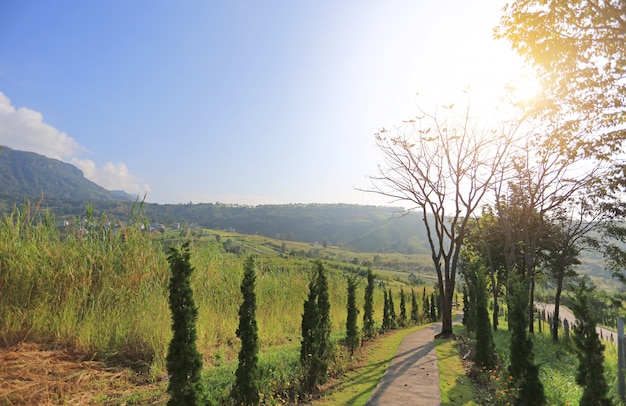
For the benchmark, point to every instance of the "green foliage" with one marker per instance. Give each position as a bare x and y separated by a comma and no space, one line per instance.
352,330
433,307
414,308
184,362
589,349
557,372
369,330
468,308
316,345
476,302
522,368
402,318
386,325
393,320
485,348
578,51
245,390
426,306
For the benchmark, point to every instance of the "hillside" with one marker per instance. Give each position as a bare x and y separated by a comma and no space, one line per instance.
25,175
363,228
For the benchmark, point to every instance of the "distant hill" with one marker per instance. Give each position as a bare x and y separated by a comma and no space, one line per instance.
25,175
364,228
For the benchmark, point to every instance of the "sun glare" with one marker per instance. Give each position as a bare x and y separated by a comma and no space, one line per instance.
525,89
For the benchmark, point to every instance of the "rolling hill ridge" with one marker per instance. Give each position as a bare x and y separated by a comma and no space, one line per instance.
25,175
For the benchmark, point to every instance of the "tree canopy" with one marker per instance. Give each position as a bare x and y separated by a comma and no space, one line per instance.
442,165
578,49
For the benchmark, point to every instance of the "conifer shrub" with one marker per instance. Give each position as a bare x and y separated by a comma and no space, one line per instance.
485,347
184,362
245,391
426,305
369,330
522,365
393,319
414,308
468,308
316,346
386,326
589,350
352,330
402,317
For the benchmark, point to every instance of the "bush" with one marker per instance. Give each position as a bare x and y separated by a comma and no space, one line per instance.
245,390
369,331
184,362
352,330
316,346
522,367
589,349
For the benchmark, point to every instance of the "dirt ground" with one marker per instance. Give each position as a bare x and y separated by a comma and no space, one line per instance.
33,374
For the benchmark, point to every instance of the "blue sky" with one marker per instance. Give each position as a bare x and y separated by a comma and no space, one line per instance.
236,101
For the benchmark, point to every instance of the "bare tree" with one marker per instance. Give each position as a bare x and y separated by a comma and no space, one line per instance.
442,167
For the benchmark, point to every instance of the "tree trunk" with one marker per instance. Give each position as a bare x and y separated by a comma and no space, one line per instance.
447,294
557,305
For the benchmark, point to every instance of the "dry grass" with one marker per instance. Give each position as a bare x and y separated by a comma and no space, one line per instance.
33,374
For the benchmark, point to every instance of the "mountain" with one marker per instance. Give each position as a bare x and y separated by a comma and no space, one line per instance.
25,175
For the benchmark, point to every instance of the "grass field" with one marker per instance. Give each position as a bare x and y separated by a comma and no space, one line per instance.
100,292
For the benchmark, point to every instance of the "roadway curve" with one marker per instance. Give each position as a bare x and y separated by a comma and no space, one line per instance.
566,314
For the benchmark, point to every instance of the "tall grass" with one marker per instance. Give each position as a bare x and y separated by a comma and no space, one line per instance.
103,289
89,287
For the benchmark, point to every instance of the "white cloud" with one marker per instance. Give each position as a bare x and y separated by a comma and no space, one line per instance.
24,129
112,176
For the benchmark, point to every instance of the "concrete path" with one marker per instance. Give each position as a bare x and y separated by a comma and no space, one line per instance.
412,377
566,314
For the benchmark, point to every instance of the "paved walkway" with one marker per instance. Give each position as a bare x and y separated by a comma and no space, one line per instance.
566,314
412,377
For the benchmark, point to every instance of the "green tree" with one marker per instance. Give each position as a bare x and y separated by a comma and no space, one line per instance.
414,308
386,326
352,330
578,50
316,346
486,240
369,331
567,231
468,308
245,391
393,319
402,318
485,347
589,350
522,359
184,362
